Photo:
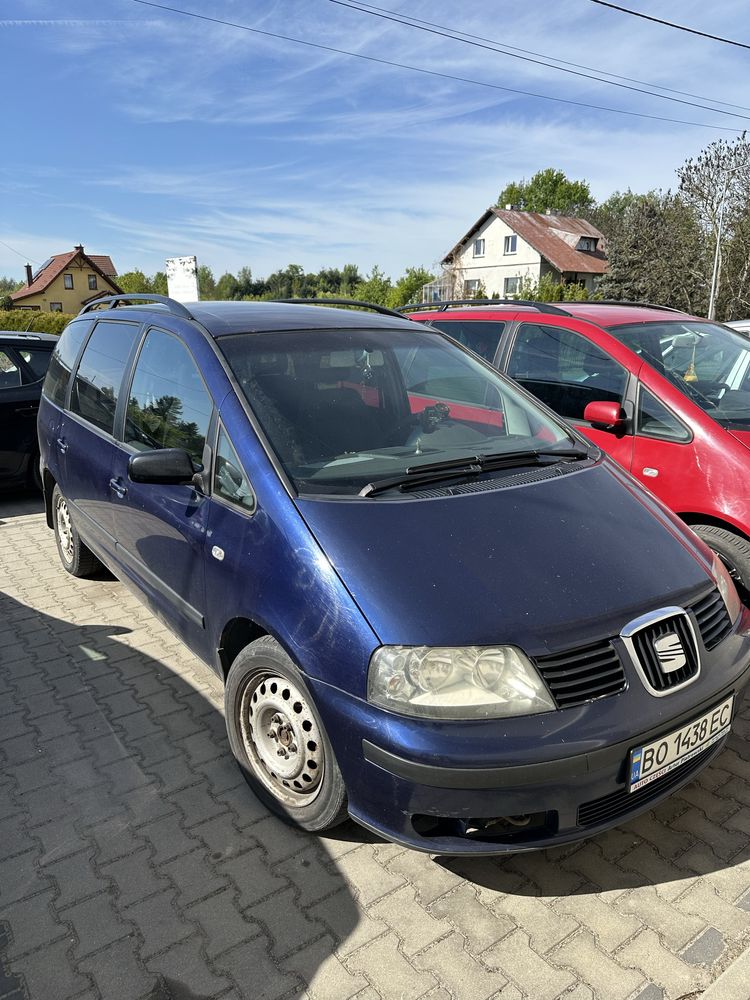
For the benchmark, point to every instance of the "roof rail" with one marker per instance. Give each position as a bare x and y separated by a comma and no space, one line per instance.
175,307
340,302
543,307
627,302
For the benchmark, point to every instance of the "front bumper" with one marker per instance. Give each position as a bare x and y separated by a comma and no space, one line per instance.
434,787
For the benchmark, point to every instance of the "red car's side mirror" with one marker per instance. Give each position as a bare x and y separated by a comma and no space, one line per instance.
606,416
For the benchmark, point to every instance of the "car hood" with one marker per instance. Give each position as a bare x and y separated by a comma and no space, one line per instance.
544,566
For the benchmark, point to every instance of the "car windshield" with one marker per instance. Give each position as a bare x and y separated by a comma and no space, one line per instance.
347,408
708,362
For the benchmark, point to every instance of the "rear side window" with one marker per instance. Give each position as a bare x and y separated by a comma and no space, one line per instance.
10,373
97,382
479,336
169,406
565,370
63,358
37,360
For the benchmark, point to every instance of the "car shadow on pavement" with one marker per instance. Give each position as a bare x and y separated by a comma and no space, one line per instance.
18,503
134,860
701,830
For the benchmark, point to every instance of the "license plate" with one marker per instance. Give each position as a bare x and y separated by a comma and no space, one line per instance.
656,759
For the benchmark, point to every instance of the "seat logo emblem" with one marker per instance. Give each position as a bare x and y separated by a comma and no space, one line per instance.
670,652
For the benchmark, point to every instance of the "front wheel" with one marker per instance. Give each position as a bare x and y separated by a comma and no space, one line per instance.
733,550
76,557
278,739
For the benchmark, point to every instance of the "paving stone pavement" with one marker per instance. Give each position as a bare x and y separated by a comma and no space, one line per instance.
136,865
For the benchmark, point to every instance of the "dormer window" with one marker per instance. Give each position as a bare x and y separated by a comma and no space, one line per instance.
479,248
587,243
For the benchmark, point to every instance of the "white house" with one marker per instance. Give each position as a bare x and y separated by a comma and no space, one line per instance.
506,245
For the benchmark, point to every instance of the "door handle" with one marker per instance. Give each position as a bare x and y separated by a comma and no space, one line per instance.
27,409
117,488
62,445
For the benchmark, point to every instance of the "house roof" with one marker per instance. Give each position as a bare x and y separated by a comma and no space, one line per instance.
56,265
555,237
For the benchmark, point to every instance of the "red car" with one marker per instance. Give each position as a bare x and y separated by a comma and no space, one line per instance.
666,394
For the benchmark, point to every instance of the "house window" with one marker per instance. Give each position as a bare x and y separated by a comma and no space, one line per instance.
55,307
68,279
471,287
511,286
479,248
586,243
92,282
510,243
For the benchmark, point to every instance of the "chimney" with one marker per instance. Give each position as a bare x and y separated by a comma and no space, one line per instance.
508,208
29,274
79,248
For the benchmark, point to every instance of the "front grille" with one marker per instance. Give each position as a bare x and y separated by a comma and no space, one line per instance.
644,643
713,619
621,802
582,674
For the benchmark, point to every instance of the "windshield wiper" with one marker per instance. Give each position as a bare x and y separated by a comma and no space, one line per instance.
470,465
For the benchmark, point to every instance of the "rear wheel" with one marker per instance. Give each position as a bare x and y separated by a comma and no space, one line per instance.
76,557
279,741
733,550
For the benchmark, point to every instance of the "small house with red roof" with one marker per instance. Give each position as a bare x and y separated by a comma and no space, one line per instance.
66,282
506,246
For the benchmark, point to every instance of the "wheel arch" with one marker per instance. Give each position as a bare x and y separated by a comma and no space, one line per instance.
691,517
236,634
48,482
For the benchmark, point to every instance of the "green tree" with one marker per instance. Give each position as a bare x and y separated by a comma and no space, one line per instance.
548,189
375,287
134,281
658,254
227,287
408,288
206,282
244,282
8,285
159,284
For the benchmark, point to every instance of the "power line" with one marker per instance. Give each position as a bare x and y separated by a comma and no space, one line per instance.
490,46
671,24
430,72
505,47
23,255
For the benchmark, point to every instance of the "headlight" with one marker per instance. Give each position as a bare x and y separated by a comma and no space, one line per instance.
727,589
464,682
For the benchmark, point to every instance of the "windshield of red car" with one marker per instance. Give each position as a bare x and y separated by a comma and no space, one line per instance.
708,362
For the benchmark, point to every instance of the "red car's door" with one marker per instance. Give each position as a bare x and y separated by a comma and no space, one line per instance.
567,371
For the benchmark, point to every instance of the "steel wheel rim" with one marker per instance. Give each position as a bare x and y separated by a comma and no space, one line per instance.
64,529
282,739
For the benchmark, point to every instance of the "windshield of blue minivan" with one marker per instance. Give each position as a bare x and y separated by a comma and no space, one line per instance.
345,409
708,362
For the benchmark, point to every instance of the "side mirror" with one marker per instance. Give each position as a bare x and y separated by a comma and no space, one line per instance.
164,465
606,416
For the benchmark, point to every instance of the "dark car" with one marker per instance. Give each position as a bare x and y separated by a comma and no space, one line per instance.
436,607
665,393
24,358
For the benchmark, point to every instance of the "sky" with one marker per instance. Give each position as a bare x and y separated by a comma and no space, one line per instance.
144,134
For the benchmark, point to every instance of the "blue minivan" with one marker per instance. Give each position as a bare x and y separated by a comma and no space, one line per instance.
436,607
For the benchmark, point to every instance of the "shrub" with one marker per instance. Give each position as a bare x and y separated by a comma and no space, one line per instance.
31,321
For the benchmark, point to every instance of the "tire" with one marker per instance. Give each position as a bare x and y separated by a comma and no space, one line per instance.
76,558
734,551
278,739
